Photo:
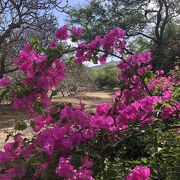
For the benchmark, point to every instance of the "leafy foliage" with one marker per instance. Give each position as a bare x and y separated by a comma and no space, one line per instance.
106,78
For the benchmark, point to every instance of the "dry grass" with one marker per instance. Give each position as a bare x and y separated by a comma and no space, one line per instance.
89,98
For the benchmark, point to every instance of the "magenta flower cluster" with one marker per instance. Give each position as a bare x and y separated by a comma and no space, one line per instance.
5,81
38,77
139,173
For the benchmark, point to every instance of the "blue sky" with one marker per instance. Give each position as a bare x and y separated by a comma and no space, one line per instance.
74,3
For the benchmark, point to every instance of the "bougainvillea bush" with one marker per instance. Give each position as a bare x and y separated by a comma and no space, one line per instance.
133,138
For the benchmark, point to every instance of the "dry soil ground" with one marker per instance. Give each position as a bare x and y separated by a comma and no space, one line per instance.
8,116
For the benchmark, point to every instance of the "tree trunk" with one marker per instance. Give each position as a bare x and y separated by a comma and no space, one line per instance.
2,67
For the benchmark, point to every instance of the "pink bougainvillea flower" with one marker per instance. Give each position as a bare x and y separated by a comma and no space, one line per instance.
139,173
53,45
83,175
102,109
77,31
86,162
46,141
4,81
12,173
62,33
102,60
64,168
166,112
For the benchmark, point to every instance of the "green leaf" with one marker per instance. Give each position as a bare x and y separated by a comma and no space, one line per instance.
55,116
76,160
35,42
94,59
20,126
149,74
36,161
54,93
53,53
39,107
33,160
74,39
34,39
64,120
8,136
32,124
70,60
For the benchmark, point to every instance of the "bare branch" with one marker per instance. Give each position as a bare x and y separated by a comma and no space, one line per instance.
142,34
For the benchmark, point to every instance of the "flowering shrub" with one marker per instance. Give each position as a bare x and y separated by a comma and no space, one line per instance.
71,143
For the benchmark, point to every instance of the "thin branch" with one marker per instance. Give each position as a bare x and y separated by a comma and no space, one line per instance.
142,34
170,127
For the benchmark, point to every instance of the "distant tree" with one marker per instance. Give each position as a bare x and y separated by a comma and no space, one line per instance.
78,79
145,21
19,19
106,78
